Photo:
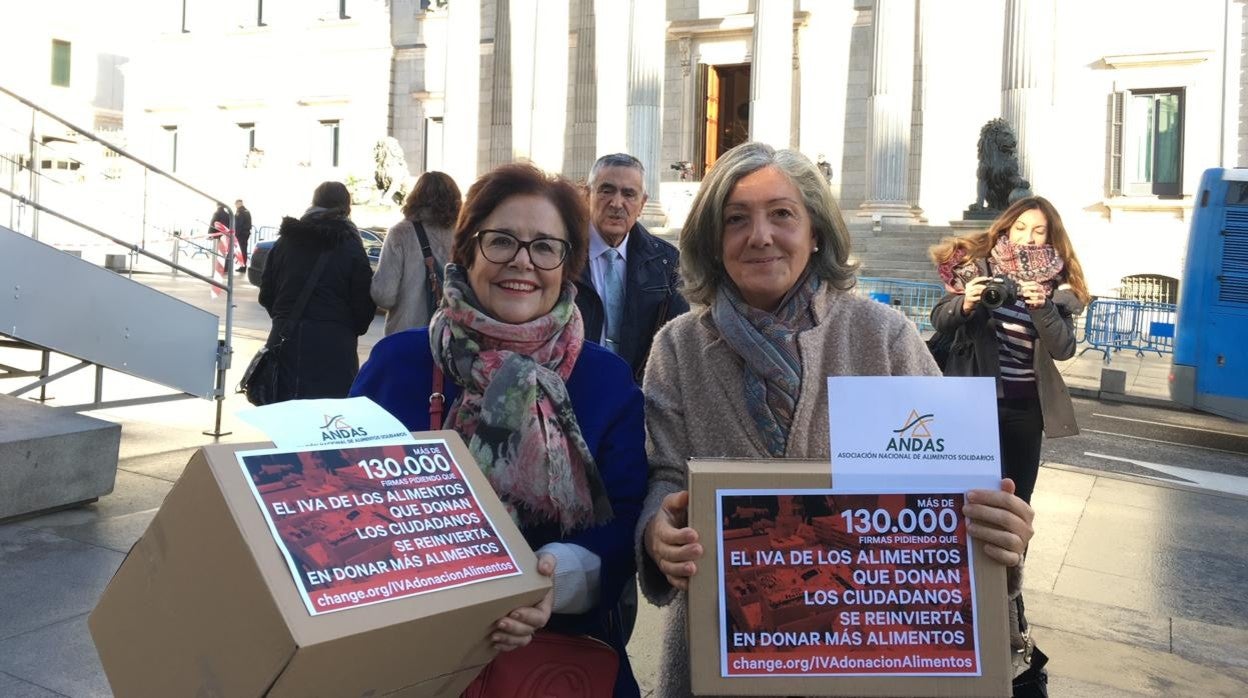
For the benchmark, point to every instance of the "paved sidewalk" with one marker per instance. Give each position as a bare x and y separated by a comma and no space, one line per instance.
1133,586
1146,377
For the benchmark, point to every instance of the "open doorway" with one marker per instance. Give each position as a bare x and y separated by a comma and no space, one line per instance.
725,101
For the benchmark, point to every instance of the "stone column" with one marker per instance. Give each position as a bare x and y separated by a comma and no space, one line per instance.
1027,76
584,97
645,97
771,74
500,97
463,87
539,94
891,102
611,20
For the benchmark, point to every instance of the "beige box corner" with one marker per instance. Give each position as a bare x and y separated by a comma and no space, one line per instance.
204,604
706,478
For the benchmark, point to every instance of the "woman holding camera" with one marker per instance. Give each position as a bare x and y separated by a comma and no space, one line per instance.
1014,291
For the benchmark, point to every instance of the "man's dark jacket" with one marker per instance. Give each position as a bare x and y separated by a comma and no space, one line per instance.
242,222
651,296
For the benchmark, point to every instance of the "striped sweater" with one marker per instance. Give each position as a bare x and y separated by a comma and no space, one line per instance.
1016,347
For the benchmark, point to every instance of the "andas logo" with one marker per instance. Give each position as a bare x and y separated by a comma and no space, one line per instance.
336,427
915,435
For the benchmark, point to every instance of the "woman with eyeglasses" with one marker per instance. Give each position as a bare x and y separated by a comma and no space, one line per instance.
555,422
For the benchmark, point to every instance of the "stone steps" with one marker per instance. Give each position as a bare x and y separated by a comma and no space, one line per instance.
52,458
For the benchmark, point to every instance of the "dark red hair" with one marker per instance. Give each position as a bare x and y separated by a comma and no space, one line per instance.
523,179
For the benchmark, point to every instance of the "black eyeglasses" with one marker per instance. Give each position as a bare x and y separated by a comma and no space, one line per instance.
500,247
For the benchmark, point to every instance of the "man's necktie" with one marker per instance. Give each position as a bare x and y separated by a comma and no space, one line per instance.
613,298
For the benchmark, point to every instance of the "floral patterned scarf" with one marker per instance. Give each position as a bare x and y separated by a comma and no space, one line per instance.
514,411
1039,263
767,345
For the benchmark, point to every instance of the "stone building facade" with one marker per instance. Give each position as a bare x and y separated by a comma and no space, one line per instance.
1119,106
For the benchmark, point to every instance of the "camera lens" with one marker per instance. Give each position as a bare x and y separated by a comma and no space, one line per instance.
998,291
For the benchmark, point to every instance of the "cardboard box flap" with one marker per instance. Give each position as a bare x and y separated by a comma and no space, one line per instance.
308,630
206,603
779,535
188,586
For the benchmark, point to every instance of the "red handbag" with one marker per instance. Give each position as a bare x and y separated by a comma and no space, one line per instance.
552,665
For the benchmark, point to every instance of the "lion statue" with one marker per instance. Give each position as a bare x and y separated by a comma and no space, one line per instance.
999,179
391,175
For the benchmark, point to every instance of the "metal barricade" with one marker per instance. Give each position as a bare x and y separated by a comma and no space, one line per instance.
1113,325
914,299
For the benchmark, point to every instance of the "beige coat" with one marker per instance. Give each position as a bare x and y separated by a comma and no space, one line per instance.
399,282
695,408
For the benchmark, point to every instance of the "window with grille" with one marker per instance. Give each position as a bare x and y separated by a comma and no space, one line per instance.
331,139
1146,143
248,137
60,63
171,146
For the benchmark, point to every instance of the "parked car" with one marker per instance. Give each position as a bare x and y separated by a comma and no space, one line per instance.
371,237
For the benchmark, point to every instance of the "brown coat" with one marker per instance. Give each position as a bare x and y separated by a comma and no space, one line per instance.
695,408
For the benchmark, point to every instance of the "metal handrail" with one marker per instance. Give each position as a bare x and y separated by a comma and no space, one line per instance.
113,147
225,346
116,240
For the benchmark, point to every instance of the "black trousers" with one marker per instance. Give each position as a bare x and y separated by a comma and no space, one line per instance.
242,244
1021,426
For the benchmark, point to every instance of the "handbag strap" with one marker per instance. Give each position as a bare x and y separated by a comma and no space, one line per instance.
436,400
305,294
431,267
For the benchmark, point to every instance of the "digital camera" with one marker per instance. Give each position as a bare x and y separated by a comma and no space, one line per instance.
998,291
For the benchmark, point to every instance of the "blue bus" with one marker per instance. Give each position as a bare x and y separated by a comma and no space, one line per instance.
1210,367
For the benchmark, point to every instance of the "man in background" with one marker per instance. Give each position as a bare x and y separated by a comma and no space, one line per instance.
631,286
242,230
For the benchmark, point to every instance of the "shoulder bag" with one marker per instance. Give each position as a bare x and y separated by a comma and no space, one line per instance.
552,665
433,275
1030,678
259,381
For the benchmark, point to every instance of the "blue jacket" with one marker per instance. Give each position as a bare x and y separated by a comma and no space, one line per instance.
609,408
651,296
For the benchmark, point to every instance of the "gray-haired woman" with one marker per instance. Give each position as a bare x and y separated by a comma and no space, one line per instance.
765,254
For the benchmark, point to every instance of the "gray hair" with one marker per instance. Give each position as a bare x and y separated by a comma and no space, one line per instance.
702,238
616,160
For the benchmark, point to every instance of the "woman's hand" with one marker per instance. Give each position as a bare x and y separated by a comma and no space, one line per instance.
1033,294
670,542
973,289
1001,521
516,630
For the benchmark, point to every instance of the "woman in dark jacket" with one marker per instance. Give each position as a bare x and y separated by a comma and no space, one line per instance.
1018,334
318,358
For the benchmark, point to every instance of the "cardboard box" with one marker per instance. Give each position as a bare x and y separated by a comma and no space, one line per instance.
757,600
205,604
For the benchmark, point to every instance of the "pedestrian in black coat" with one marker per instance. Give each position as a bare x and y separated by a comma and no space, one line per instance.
319,359
222,216
242,230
